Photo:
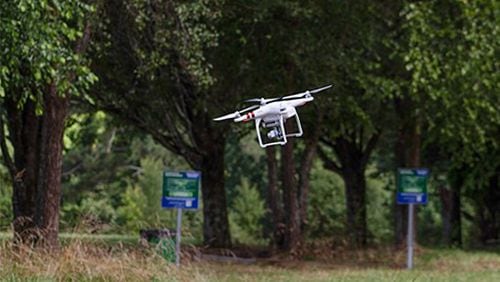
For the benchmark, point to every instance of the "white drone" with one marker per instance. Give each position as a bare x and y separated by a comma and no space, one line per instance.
272,113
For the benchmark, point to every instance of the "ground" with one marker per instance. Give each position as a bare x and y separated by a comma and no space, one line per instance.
121,258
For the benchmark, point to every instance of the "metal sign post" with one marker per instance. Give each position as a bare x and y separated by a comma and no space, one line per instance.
409,257
412,189
181,190
178,237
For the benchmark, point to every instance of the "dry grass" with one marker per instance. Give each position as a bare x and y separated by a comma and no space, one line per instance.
79,261
103,261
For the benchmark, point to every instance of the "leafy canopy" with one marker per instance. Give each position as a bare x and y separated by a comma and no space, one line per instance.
39,46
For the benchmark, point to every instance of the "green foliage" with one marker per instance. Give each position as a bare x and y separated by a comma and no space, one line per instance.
453,58
141,203
151,183
171,65
246,214
380,200
326,207
245,158
5,197
94,213
112,167
131,212
5,202
186,27
38,48
141,206
96,157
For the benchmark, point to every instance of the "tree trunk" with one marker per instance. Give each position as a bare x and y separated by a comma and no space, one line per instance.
450,213
23,127
353,164
50,168
37,167
215,220
304,174
489,211
293,235
407,155
355,184
274,208
353,158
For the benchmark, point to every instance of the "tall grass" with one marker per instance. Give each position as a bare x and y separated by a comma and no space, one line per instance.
102,259
77,261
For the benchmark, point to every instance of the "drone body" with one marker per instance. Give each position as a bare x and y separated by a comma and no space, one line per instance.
270,116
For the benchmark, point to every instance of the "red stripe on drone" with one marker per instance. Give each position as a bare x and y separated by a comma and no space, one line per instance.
249,116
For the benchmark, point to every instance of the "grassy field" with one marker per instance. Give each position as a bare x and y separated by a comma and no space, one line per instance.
120,258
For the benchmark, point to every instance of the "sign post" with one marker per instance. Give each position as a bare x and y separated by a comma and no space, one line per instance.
411,190
181,190
178,237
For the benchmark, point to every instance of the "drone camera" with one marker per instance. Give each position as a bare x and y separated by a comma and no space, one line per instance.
275,133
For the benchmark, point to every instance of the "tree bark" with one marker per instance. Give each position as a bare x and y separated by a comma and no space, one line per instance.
37,167
407,155
274,207
305,172
293,235
451,216
355,184
23,127
488,211
215,221
50,168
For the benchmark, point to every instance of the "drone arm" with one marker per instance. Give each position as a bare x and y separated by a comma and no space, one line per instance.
257,128
283,130
299,127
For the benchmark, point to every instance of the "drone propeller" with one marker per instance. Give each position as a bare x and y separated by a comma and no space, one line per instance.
262,101
305,94
236,114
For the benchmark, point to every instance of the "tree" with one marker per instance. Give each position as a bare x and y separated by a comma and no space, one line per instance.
168,69
355,46
452,50
205,62
41,67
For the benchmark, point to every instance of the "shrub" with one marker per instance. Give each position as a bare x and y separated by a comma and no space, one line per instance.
246,214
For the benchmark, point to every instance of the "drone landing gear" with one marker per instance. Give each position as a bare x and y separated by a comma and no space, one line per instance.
277,135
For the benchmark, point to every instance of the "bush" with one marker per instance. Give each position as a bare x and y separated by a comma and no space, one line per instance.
326,207
5,205
141,204
380,201
246,215
95,213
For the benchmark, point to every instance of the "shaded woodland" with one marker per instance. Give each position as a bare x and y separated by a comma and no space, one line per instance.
97,98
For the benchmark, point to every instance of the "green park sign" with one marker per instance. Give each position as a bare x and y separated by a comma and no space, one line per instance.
412,185
181,189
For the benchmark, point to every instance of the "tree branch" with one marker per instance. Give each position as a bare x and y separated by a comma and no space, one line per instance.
372,142
327,162
327,142
83,42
